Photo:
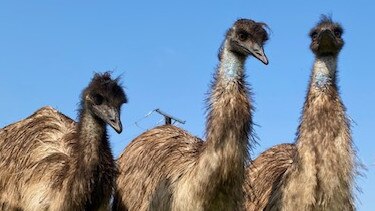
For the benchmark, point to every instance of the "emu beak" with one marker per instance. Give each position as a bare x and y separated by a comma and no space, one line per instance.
113,119
326,37
257,51
109,115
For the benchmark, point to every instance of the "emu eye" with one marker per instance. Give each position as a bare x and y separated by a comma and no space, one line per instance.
314,34
98,99
337,33
242,36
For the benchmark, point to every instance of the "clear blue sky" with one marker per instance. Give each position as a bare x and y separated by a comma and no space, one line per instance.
166,53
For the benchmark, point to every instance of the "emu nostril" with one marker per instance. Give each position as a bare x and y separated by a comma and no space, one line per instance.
112,118
257,52
112,115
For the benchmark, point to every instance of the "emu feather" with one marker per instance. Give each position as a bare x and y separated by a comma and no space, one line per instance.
50,162
168,169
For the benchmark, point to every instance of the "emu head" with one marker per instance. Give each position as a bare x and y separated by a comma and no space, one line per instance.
326,37
103,98
247,37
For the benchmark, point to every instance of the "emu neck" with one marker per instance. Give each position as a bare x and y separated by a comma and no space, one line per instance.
229,118
322,106
231,67
324,162
227,130
324,72
92,132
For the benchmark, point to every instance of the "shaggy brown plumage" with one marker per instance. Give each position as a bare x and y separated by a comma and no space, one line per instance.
168,169
50,162
264,174
317,172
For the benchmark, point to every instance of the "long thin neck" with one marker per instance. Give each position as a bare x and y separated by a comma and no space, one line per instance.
231,68
228,128
324,73
325,158
92,134
323,111
229,116
91,156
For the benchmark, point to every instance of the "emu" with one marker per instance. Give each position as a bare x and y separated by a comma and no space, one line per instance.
317,172
50,162
166,168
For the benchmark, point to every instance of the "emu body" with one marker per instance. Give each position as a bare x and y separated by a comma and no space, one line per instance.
168,169
317,172
50,162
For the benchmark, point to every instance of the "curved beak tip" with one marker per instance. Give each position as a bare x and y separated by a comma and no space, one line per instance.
116,125
118,129
263,58
265,61
257,51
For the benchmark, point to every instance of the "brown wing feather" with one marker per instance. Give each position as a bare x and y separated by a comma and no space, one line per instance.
264,174
31,150
158,158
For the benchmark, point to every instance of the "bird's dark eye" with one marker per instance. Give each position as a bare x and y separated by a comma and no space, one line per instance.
337,33
242,36
98,99
314,34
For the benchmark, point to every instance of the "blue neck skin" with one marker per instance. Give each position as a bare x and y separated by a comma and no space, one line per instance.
231,66
323,72
322,80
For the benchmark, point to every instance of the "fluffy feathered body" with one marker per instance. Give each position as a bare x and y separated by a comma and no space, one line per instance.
168,169
50,162
317,172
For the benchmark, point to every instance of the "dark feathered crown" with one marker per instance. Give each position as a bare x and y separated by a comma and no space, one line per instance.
257,30
103,84
326,20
